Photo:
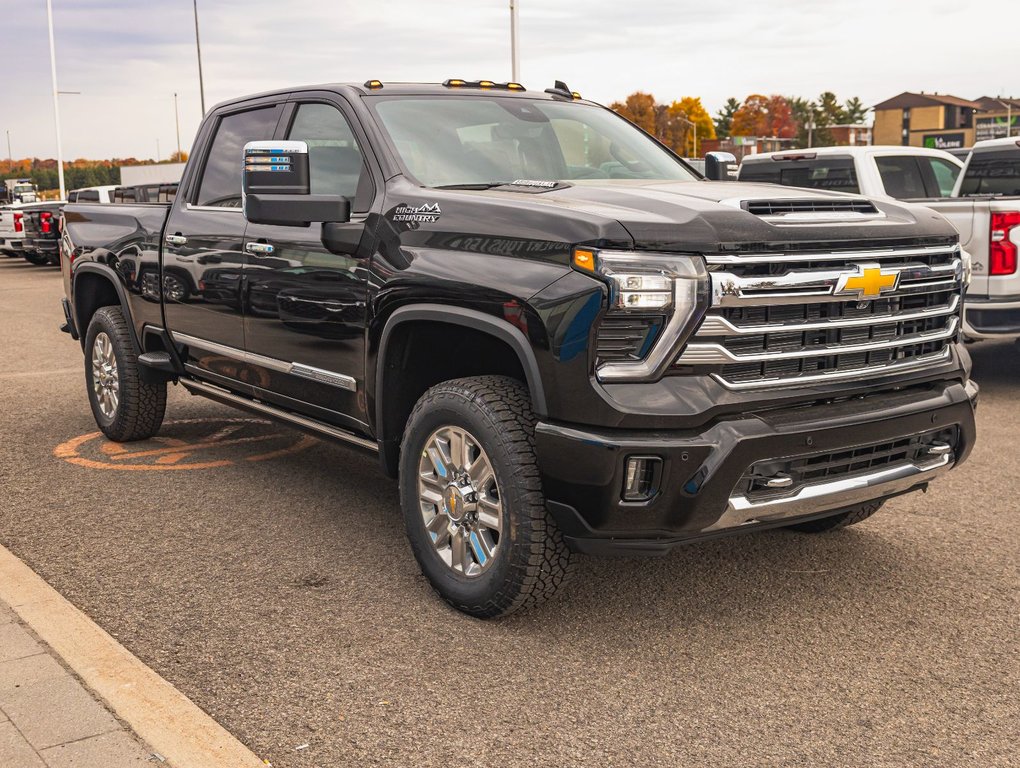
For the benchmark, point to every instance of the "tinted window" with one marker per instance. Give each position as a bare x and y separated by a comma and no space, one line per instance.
72,197
835,173
335,165
89,196
478,140
901,177
992,173
945,174
221,178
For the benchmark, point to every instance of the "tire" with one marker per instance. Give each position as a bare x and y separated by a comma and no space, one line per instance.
839,520
34,257
521,560
125,407
175,288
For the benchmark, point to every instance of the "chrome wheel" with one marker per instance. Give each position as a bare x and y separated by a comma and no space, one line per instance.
174,288
459,499
105,379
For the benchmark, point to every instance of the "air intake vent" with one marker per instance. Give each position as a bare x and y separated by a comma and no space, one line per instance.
819,206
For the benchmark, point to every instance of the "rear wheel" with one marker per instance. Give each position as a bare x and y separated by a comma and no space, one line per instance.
125,407
839,520
472,498
37,258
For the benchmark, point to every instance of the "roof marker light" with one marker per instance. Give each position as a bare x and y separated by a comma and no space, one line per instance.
373,84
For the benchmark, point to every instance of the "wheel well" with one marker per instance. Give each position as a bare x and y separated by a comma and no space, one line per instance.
91,292
420,355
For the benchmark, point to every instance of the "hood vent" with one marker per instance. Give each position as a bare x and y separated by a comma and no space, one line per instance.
821,207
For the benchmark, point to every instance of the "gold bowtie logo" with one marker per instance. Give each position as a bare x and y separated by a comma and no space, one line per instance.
869,282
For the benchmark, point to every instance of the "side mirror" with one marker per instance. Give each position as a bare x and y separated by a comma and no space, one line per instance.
276,187
720,166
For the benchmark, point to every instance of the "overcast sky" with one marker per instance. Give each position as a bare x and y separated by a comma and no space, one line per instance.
128,57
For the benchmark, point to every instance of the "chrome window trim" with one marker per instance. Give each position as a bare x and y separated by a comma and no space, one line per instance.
216,208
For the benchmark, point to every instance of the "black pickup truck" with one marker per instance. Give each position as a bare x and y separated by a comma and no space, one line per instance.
556,335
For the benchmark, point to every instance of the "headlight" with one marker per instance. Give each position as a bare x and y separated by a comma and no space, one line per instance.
671,288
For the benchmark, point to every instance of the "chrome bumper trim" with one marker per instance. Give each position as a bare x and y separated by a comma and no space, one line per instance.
820,497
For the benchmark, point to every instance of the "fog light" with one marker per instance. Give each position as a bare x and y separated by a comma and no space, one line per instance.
641,480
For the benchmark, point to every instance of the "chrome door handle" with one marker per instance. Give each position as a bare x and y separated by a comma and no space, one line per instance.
259,249
176,239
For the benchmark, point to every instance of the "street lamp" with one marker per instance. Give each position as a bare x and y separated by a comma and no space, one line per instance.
694,149
515,73
198,49
56,100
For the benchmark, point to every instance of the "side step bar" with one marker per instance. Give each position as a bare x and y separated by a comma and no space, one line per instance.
300,422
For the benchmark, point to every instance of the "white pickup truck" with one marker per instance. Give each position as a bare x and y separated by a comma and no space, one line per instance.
981,199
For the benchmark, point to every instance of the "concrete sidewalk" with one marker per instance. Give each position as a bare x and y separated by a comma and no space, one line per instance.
48,719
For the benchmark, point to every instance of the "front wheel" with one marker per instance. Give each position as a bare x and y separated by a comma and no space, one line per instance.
125,407
472,498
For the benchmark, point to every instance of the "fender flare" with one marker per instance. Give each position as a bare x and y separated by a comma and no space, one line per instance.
92,267
468,318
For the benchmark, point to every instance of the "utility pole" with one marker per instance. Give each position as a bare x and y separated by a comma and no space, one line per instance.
157,150
198,48
56,99
10,155
177,121
515,68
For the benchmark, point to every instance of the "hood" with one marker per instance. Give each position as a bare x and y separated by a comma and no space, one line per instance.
705,216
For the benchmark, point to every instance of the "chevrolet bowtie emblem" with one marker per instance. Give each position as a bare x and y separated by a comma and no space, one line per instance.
869,282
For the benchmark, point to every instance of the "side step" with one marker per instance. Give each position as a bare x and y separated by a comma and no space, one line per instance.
299,422
159,361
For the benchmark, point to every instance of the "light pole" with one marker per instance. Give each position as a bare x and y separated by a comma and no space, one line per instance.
515,71
177,122
56,100
10,155
694,125
198,49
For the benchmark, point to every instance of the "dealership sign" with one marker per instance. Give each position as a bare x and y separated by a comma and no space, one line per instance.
995,127
945,141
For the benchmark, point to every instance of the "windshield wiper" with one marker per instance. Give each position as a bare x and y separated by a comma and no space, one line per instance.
480,185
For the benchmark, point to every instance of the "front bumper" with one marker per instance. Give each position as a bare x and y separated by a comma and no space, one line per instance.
992,318
583,469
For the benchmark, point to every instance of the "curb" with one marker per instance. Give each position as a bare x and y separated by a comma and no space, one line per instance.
157,712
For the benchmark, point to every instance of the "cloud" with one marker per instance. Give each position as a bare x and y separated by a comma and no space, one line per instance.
128,58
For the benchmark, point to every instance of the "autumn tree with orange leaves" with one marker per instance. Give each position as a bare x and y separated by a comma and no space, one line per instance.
768,116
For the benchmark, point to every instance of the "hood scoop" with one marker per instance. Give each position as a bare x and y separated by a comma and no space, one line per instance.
812,210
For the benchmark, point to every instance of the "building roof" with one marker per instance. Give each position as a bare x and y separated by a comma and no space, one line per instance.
997,103
906,100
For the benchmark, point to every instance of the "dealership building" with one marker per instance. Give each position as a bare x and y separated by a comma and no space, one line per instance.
941,121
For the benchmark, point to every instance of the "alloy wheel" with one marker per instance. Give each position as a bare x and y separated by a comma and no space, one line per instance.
105,378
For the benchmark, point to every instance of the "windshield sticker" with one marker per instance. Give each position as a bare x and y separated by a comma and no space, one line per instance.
534,183
426,213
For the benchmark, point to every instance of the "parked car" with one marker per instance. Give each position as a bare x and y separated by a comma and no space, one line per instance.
18,191
146,193
102,194
12,231
555,334
900,173
42,232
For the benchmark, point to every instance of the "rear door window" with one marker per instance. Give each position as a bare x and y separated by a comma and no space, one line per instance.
944,174
901,176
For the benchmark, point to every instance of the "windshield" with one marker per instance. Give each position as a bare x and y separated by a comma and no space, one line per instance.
451,141
992,173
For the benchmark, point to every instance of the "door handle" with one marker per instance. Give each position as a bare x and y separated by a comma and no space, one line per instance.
259,249
176,239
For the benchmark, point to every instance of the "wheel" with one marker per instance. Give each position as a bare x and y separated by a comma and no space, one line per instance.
839,520
125,407
34,257
472,498
174,288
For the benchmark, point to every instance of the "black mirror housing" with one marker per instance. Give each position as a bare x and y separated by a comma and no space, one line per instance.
296,210
720,166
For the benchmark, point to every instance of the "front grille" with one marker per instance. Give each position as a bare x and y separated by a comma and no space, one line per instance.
776,321
810,205
847,463
626,338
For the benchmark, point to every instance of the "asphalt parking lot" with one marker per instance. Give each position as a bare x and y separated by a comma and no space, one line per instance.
266,575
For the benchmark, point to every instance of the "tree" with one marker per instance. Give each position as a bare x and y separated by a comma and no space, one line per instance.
695,111
639,108
179,157
856,111
831,112
752,117
724,118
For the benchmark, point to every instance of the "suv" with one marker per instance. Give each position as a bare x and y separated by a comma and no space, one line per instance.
555,334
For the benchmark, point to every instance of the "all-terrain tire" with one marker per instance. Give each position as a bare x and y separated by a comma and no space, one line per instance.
140,406
839,520
531,560
36,257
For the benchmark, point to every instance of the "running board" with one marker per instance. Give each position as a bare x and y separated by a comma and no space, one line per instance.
300,422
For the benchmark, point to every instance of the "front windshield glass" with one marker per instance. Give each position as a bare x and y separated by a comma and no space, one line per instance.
451,141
